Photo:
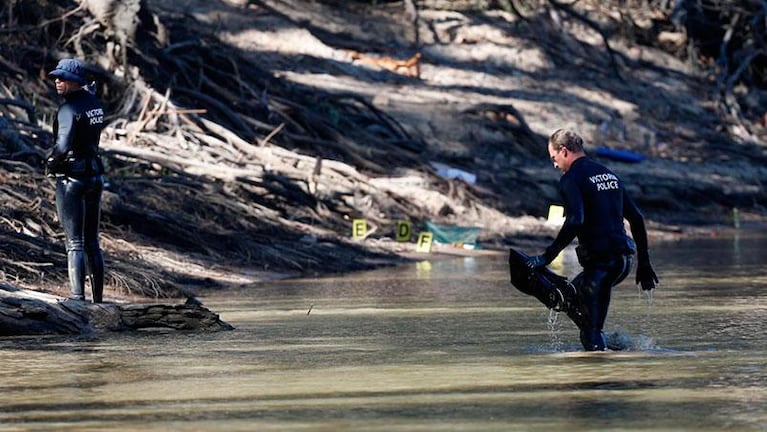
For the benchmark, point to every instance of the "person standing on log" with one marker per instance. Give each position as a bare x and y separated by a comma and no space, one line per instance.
596,202
76,166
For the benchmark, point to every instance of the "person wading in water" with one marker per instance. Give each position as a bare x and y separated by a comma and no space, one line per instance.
596,202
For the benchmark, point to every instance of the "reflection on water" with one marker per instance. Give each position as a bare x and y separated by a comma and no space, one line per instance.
443,345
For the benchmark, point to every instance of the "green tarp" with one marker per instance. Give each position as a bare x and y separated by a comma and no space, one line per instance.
451,234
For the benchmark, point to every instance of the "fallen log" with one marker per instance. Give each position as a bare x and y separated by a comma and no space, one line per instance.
25,312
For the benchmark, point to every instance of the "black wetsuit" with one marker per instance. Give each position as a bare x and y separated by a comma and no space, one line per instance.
75,164
595,205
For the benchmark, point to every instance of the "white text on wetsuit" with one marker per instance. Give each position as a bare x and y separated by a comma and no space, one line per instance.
605,181
95,116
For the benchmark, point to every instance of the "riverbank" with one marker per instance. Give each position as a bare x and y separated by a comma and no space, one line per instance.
224,278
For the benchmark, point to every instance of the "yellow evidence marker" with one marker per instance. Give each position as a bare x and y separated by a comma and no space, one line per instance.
404,231
359,228
424,242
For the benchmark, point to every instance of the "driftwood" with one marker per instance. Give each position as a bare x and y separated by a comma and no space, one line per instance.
25,312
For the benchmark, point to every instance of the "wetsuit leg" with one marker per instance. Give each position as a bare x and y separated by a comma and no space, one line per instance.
71,208
546,286
617,274
595,288
92,216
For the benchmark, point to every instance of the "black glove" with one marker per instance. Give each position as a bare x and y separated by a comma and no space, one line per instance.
646,276
537,261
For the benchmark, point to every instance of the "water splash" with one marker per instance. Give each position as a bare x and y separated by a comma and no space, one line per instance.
621,340
647,294
645,343
646,323
553,324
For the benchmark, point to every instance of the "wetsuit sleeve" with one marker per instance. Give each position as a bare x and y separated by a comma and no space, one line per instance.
638,230
64,135
574,217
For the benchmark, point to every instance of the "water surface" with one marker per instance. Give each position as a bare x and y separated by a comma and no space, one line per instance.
443,345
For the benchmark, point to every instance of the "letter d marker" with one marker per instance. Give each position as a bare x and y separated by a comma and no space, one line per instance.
404,231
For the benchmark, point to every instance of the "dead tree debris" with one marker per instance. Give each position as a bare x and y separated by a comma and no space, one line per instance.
24,312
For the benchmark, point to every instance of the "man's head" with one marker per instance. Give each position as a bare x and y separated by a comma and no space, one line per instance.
69,75
565,147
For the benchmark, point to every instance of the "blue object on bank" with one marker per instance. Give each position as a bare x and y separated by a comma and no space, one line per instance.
620,155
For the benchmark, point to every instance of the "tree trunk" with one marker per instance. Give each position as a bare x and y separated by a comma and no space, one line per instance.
24,312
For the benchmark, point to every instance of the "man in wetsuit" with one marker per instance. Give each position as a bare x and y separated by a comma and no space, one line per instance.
75,165
596,203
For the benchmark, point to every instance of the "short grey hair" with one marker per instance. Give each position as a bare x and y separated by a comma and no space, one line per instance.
567,139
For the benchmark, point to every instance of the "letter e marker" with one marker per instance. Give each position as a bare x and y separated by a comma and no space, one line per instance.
359,228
